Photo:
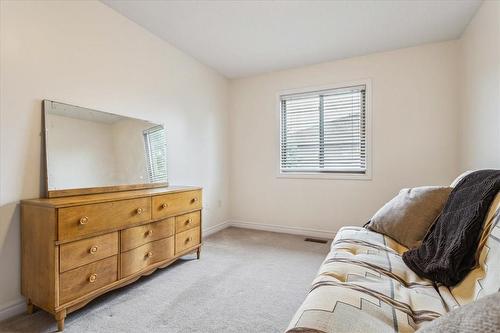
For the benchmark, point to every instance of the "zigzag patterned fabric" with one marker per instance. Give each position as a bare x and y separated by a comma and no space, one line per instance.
364,286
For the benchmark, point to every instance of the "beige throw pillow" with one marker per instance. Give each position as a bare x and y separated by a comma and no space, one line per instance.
408,216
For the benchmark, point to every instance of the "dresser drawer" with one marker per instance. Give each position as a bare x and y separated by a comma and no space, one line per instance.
145,255
88,250
187,239
79,221
82,280
174,203
187,221
137,236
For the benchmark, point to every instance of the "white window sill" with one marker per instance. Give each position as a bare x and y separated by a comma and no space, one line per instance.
324,175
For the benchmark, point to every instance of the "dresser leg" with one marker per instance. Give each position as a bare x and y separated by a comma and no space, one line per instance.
60,320
29,307
198,253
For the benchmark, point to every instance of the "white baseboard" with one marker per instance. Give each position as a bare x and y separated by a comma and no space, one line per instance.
215,228
13,309
269,227
283,229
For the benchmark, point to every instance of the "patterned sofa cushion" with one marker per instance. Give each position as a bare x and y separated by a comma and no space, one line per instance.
364,286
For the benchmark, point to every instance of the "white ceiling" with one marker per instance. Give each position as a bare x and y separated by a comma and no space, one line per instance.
242,38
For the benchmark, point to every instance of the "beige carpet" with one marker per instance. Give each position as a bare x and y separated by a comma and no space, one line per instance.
246,281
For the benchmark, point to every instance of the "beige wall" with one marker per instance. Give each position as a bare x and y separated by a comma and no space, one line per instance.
480,90
84,53
414,105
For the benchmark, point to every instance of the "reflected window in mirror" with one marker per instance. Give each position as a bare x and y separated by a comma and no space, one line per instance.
156,151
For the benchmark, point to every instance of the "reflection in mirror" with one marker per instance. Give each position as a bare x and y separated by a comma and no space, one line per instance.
87,148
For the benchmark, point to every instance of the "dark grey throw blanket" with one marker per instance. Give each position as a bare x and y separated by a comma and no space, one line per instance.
447,252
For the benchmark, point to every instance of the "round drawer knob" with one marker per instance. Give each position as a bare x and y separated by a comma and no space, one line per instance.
139,211
189,220
194,200
84,220
149,233
189,239
92,277
93,249
149,254
164,205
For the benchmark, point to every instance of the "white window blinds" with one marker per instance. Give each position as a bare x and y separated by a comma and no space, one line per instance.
324,131
156,153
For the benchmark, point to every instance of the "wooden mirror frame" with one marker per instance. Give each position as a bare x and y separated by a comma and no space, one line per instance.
86,190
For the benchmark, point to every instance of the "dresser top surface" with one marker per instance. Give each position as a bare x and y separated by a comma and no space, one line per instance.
104,197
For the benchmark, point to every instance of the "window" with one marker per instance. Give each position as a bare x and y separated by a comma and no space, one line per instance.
324,132
156,153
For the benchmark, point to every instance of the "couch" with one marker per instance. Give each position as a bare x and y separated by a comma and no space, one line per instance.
364,286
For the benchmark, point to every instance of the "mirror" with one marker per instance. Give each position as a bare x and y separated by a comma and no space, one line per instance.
101,152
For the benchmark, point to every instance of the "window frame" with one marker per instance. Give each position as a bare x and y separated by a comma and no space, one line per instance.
368,134
147,147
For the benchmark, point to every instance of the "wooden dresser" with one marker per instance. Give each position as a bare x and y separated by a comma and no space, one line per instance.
78,247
